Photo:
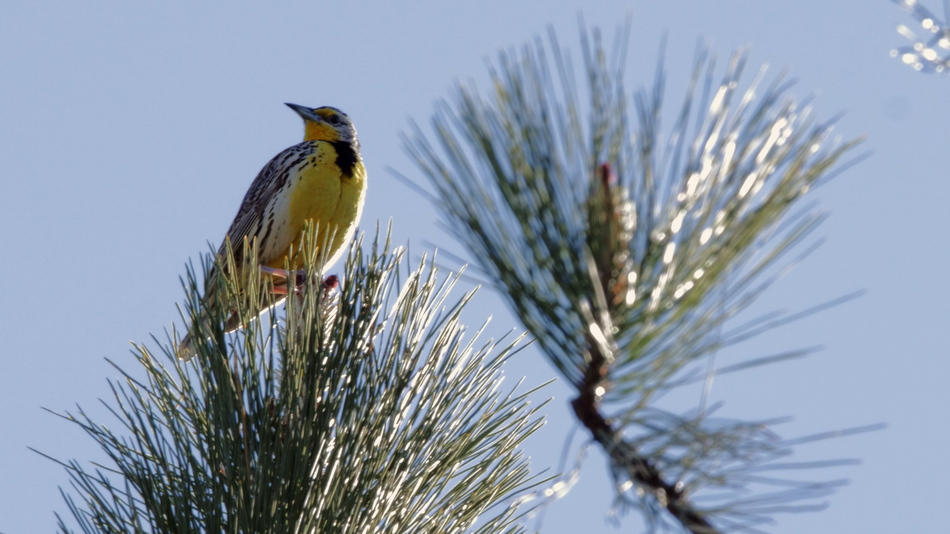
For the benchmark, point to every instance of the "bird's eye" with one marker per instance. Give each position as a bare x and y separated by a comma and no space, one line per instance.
335,120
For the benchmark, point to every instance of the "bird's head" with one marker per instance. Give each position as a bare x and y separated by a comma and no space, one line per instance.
326,124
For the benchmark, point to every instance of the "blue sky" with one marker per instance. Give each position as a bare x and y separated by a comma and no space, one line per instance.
129,134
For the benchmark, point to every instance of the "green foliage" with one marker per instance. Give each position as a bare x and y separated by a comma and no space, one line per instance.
625,254
362,411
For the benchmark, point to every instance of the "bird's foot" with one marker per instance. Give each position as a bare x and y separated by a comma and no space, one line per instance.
299,278
329,283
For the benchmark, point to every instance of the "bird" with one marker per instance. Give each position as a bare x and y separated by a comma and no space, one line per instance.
320,181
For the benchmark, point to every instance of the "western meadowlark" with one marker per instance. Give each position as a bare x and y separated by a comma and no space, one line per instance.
321,181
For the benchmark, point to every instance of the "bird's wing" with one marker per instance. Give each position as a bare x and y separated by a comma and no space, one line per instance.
249,221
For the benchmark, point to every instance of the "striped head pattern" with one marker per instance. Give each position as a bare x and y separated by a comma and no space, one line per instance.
326,124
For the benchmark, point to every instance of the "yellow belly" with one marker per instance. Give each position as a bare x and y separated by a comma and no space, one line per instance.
318,193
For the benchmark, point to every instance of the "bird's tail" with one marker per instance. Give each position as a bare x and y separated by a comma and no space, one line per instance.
186,349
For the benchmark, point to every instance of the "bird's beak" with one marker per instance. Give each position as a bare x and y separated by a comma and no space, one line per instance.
306,113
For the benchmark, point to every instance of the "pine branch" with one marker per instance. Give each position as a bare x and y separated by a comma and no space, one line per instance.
587,409
625,256
365,410
930,53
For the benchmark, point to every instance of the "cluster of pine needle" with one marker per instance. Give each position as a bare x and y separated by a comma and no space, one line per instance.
362,409
624,253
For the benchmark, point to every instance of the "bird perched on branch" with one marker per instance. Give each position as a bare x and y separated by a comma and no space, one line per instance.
321,181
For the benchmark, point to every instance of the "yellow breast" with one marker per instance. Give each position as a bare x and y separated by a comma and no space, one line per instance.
326,188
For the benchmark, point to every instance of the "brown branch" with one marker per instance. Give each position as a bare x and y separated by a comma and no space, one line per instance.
622,454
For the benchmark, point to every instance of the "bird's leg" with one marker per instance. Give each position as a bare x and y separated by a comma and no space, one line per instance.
329,283
299,277
279,273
